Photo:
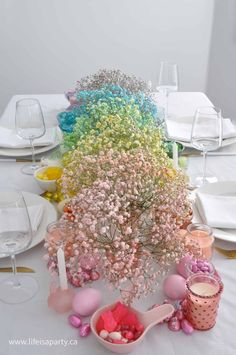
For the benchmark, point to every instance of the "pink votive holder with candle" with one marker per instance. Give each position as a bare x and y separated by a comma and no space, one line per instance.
202,301
203,235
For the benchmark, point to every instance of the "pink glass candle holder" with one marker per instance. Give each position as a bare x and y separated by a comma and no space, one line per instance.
202,301
203,235
61,300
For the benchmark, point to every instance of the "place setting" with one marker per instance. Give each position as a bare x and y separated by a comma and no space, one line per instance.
29,135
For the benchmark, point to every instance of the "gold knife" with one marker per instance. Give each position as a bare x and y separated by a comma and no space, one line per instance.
18,269
230,254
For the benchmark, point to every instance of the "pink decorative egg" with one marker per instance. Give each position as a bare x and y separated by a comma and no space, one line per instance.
87,301
181,266
175,287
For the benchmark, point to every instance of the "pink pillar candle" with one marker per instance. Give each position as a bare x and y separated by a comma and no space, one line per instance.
202,301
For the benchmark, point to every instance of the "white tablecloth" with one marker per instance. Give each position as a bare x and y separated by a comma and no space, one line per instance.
34,322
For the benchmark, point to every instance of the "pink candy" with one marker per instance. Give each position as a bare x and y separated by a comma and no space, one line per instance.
84,330
179,314
186,326
198,265
174,324
74,320
94,275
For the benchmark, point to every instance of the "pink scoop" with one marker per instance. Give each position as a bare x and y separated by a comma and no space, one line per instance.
148,319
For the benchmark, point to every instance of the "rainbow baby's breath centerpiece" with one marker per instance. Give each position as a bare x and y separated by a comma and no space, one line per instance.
127,202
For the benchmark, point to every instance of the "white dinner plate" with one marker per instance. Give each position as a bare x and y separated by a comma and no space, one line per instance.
24,152
49,216
218,188
225,142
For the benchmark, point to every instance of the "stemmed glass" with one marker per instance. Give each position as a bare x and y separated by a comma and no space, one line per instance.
15,237
168,81
206,135
29,123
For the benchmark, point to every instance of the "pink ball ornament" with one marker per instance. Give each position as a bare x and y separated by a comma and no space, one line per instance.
175,287
181,266
87,301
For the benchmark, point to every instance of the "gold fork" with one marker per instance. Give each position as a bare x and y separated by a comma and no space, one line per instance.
229,254
18,269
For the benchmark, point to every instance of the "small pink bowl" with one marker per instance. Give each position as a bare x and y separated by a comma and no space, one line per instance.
148,319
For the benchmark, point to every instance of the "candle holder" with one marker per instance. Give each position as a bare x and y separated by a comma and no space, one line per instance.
202,301
60,299
203,235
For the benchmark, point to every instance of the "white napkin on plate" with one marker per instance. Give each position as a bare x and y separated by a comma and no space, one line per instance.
218,211
180,129
11,221
9,139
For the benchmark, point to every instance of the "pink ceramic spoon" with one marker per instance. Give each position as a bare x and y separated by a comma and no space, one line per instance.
148,319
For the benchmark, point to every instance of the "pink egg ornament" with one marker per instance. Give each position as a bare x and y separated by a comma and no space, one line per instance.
181,266
87,301
174,287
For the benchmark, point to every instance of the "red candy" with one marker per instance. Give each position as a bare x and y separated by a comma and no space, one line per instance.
130,319
137,335
109,322
123,320
99,325
139,327
117,341
119,311
129,335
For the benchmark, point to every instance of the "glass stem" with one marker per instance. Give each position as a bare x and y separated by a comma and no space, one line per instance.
16,282
33,152
167,104
204,166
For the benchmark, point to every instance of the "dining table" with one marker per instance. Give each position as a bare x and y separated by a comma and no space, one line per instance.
33,328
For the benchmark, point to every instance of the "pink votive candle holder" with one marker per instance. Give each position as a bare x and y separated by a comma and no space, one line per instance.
203,235
202,301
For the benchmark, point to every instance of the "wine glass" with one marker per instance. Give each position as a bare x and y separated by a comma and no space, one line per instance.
15,237
29,123
168,81
206,135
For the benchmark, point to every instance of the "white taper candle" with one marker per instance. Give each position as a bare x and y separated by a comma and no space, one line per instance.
175,155
62,269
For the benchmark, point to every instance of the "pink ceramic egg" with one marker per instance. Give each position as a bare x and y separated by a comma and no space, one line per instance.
181,266
175,287
86,301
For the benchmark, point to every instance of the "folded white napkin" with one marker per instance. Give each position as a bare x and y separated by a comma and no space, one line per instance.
9,139
218,211
14,220
180,129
